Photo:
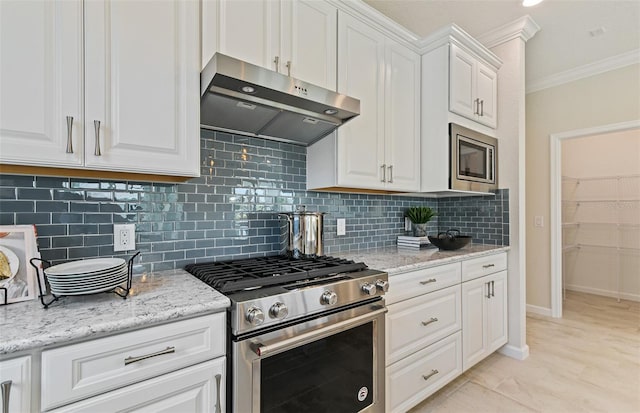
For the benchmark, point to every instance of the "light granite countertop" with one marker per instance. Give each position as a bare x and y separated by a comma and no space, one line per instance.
155,298
396,260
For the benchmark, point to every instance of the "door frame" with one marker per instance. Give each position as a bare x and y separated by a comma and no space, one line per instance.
555,220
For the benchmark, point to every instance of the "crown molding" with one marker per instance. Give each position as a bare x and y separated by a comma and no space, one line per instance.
601,66
454,34
523,28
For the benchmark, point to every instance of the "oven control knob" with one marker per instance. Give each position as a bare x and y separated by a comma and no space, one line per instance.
382,285
255,316
329,298
369,289
278,310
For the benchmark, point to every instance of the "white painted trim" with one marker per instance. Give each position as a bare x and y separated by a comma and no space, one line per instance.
517,353
581,72
534,309
605,293
523,28
555,221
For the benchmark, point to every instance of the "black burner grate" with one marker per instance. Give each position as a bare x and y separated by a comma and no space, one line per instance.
232,276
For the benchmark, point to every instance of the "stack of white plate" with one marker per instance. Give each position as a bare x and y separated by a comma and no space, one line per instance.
87,276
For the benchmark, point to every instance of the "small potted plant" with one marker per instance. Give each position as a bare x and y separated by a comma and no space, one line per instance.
419,217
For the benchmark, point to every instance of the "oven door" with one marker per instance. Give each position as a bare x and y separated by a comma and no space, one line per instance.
334,363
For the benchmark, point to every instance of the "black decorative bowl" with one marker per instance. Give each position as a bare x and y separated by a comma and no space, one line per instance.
450,240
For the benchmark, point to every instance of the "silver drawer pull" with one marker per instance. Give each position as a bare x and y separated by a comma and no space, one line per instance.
428,376
432,320
96,127
488,266
69,134
167,350
218,404
6,392
429,281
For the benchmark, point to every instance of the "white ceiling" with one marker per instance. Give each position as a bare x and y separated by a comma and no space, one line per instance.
563,42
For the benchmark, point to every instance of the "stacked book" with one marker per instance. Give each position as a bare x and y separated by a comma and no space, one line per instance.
406,241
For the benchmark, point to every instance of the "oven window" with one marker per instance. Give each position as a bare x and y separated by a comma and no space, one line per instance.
472,160
334,374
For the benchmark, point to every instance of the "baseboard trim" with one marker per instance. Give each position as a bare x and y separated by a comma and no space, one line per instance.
605,293
518,353
534,309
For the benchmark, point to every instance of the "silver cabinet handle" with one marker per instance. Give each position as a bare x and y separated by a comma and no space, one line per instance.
384,173
482,107
69,134
428,376
429,281
390,174
431,320
488,289
96,127
476,104
218,401
288,68
6,392
167,350
493,289
276,60
488,266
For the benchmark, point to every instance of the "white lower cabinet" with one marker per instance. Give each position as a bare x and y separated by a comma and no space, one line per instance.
196,389
174,367
15,383
437,326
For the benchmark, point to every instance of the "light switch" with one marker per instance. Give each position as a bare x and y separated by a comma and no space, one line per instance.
538,221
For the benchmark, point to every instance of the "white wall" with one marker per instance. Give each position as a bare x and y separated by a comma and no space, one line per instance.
608,98
598,266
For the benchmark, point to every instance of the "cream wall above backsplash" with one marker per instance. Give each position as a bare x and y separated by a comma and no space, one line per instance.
604,99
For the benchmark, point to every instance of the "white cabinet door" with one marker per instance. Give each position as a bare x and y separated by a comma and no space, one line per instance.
248,30
487,94
402,118
497,312
473,88
196,389
462,83
142,66
41,81
15,374
361,75
474,321
308,41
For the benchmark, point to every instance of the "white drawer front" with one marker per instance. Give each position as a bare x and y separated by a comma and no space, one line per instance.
190,390
416,377
479,267
415,283
86,369
414,324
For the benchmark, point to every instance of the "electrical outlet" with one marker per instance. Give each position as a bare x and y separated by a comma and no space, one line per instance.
407,224
342,226
124,237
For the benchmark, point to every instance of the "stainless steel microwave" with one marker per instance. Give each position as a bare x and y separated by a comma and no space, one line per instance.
474,160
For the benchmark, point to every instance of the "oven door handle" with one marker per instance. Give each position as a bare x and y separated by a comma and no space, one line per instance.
277,346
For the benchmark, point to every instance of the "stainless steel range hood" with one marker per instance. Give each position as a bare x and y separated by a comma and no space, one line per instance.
239,97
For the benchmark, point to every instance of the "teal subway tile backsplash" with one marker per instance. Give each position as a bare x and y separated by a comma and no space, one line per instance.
230,211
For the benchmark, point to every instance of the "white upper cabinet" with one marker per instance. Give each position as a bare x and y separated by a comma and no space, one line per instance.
131,66
296,38
142,85
379,149
41,79
473,88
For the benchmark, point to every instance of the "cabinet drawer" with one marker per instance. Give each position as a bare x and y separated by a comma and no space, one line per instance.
416,377
86,369
479,267
191,390
419,282
16,374
414,324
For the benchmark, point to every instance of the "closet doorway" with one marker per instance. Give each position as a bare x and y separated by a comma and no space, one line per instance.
595,213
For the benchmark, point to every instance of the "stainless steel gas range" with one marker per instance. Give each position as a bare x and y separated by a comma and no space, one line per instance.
304,334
